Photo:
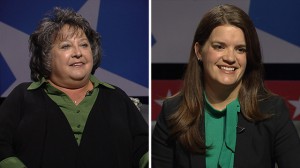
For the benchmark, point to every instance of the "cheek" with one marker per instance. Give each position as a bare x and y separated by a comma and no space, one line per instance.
208,69
243,65
91,57
243,62
90,60
209,64
89,54
211,56
59,60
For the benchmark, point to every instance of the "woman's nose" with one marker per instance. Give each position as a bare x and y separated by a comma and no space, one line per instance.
77,52
229,56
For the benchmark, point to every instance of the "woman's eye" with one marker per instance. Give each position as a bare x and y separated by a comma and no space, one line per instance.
84,45
241,50
65,46
218,47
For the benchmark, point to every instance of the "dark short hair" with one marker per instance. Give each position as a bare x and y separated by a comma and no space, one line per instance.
41,40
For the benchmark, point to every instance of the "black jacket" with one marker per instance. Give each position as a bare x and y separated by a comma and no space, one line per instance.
260,145
34,129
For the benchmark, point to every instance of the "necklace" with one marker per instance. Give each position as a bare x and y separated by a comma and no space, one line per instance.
77,101
88,93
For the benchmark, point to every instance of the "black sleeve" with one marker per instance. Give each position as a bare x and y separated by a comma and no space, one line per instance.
10,114
162,151
287,142
139,130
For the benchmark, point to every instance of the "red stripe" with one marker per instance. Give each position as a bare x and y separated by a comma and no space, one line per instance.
290,90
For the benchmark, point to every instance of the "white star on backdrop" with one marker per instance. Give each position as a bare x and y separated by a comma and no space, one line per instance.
296,104
183,13
14,48
160,101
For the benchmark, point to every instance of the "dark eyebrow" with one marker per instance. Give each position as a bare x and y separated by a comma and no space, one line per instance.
223,43
218,42
242,45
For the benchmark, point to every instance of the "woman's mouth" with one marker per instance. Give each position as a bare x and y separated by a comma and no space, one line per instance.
77,64
226,68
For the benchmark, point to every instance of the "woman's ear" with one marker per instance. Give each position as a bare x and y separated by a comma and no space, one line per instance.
197,49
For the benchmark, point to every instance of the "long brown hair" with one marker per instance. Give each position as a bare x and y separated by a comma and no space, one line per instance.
185,122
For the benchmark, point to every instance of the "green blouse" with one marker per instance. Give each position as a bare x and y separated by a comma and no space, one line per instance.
220,134
76,114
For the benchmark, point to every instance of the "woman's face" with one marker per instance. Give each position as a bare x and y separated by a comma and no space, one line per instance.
223,56
72,59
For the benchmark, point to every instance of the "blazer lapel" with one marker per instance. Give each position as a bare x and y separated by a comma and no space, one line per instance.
197,161
241,142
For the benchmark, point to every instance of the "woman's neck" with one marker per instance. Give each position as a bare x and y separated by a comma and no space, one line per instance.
75,94
220,97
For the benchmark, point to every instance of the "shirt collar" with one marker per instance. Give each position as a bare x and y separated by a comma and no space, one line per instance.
231,120
37,84
94,80
234,105
96,83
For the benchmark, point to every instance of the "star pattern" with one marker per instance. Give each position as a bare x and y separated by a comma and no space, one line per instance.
166,48
274,45
15,54
296,104
160,101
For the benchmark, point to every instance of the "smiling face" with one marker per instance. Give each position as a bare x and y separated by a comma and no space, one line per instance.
72,59
223,56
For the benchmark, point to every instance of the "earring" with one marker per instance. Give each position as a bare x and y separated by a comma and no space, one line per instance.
199,61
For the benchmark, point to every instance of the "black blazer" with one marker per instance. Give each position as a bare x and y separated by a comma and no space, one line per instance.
260,145
34,129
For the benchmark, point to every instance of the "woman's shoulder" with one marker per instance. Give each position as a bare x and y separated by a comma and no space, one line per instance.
113,89
171,105
277,107
272,103
22,87
174,100
18,93
115,94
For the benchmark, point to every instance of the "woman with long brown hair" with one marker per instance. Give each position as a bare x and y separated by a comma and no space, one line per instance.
223,116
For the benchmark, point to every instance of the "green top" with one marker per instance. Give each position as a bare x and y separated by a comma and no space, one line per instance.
220,134
76,115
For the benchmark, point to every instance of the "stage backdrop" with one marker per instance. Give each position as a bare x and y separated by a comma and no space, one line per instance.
122,24
173,27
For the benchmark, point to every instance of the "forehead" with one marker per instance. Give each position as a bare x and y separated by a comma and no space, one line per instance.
227,33
68,32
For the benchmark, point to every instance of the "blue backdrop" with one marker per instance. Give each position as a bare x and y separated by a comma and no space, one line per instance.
122,24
